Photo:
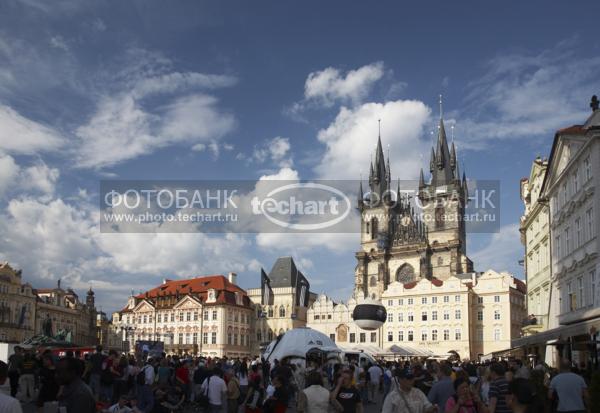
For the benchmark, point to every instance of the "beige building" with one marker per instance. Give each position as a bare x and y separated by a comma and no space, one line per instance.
71,318
470,314
17,306
281,303
570,188
208,315
535,236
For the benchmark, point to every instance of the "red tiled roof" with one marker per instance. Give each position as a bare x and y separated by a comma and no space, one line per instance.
198,285
572,130
436,282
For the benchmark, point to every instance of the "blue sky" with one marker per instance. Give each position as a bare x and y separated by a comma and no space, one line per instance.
230,90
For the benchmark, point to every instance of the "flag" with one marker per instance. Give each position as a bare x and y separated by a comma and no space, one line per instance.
302,293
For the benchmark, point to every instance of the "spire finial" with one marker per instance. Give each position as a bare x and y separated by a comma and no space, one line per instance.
379,124
441,108
452,132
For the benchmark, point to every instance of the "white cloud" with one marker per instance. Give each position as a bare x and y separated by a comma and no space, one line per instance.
330,85
525,95
20,135
39,177
502,252
351,139
284,174
9,170
99,25
275,150
58,42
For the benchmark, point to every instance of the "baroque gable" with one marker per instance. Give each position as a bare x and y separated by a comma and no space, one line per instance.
143,306
187,302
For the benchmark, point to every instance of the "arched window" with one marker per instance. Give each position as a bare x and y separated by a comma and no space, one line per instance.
270,312
281,311
373,282
405,274
374,228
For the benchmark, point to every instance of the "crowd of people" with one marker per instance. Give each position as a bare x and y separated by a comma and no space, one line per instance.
113,383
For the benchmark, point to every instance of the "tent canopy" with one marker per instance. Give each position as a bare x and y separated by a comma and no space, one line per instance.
405,351
298,342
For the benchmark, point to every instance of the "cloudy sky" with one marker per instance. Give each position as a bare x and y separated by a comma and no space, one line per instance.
230,90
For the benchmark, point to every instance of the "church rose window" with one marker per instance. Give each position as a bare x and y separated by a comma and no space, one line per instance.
405,274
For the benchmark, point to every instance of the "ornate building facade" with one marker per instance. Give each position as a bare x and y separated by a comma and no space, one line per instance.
207,315
282,301
17,306
401,244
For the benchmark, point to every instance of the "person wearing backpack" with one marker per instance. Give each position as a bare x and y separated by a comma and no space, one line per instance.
144,380
233,392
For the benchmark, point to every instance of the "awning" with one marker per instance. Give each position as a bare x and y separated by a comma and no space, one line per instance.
558,333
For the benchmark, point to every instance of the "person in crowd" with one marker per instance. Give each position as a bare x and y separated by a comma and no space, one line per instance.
521,370
363,384
233,391
346,397
375,374
15,363
8,404
464,400
405,397
314,398
521,396
27,378
278,401
47,380
254,397
216,389
498,389
443,389
570,389
164,372
75,395
182,375
121,406
484,385
387,379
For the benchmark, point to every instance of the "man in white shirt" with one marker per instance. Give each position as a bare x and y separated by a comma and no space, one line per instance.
217,391
405,398
7,404
375,374
570,388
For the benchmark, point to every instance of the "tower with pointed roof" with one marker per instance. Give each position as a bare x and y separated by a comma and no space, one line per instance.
401,244
443,199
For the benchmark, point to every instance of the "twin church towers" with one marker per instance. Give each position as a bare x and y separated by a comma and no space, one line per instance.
407,240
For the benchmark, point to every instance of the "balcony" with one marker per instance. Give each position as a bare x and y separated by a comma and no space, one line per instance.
534,324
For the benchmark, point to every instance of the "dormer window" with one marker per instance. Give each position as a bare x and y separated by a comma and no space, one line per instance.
212,296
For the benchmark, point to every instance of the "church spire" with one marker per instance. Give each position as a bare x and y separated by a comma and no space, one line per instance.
432,161
421,180
360,199
453,156
442,171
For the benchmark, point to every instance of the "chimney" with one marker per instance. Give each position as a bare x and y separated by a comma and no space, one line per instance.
232,277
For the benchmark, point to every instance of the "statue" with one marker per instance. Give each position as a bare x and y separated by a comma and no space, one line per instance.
47,326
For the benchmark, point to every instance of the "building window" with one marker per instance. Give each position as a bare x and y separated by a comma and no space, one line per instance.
410,335
213,338
557,246
270,335
332,337
457,334
567,240
593,287
204,338
410,301
576,181
588,168
446,298
589,217
270,312
423,335
353,337
400,317
401,301
214,315
236,317
424,316
195,315
281,311
572,297
180,338
390,317
423,300
457,314
363,337
329,316
580,293
578,239
410,316
205,315
181,316
496,334
400,335
187,338
434,315
446,315
373,337
189,316
390,303
479,315
480,334
433,300
457,298
446,335
390,336
496,314
317,316
159,318
434,335
479,300
235,339
496,298
145,319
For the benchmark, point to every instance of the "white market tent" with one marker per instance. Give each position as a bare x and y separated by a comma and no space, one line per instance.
406,351
297,343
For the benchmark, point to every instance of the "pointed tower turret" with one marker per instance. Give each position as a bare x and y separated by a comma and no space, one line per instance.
442,175
421,180
453,157
360,200
432,161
